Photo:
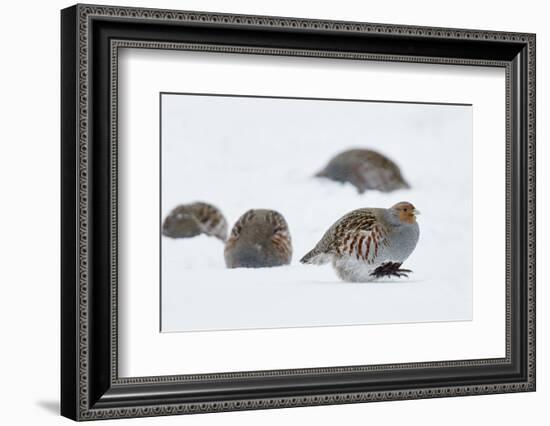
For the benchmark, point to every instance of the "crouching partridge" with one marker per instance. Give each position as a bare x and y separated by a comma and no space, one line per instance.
260,238
365,169
369,243
190,220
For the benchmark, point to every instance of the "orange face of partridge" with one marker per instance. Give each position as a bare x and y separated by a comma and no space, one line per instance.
406,211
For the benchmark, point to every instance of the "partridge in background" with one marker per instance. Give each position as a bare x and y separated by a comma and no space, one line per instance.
365,169
260,238
190,220
369,243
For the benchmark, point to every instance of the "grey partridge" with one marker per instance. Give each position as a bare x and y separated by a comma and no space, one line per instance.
190,220
260,238
369,243
365,169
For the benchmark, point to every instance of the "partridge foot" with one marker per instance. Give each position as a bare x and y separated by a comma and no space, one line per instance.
390,269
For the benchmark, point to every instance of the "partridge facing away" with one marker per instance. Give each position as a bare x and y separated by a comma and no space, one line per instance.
369,243
260,238
365,169
190,220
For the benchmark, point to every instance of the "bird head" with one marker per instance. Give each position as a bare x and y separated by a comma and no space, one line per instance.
404,212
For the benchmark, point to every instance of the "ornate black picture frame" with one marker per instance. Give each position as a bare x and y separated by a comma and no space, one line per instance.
91,387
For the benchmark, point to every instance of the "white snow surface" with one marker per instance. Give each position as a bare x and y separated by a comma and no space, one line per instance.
240,153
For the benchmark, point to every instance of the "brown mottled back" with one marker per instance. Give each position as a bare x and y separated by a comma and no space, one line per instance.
365,169
359,233
260,238
189,220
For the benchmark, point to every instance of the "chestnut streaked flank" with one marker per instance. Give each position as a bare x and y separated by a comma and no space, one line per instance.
369,243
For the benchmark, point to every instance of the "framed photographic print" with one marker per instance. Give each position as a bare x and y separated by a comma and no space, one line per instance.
263,212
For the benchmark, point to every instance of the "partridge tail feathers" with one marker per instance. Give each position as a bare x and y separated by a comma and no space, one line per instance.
315,257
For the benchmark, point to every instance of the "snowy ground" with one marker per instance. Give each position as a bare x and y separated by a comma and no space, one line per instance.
242,153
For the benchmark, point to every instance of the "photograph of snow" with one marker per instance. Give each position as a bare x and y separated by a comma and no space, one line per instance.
283,212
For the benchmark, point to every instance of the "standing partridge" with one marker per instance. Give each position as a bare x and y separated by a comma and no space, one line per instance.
190,220
260,238
369,243
364,169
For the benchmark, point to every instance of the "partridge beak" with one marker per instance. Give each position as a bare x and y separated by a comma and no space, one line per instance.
416,212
